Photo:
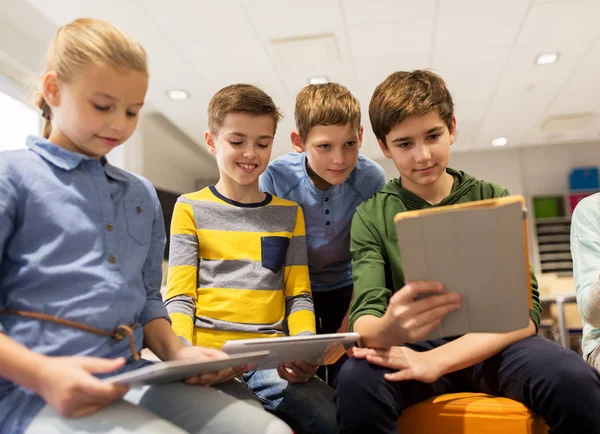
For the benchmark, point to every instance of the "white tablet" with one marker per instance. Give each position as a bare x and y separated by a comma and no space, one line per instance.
178,370
323,349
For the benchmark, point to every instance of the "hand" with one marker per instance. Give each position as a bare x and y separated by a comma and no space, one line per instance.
68,386
301,372
409,319
200,354
411,365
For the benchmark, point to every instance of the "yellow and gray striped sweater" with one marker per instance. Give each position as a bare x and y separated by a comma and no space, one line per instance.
237,271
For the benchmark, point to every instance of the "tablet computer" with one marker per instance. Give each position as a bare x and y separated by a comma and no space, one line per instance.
179,370
478,249
323,349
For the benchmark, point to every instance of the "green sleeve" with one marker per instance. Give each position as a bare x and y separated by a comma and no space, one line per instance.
536,311
369,263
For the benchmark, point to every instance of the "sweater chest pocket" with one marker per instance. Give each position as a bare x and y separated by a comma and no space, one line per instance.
273,251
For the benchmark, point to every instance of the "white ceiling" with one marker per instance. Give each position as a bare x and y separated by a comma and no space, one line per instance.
485,49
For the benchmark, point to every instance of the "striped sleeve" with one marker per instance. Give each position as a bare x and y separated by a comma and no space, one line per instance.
298,299
181,293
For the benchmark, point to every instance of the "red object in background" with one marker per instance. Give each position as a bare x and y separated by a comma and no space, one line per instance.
575,198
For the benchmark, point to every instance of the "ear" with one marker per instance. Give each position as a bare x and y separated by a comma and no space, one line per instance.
210,142
453,132
360,136
384,149
297,142
51,89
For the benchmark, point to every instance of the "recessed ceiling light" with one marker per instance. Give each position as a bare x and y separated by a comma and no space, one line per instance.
499,141
547,58
178,94
318,79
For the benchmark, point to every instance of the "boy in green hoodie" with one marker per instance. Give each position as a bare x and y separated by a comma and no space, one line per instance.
412,116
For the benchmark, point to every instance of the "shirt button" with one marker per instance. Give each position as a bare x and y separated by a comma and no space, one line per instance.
326,199
109,227
326,211
112,259
138,209
327,223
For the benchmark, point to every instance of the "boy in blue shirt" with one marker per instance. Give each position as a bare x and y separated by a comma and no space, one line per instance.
328,178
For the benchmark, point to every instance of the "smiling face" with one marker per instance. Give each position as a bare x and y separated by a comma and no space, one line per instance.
243,146
97,110
419,146
331,152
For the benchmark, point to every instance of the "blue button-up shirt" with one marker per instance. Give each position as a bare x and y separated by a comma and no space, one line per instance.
81,240
327,213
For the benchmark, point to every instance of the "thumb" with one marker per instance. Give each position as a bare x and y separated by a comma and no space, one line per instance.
97,365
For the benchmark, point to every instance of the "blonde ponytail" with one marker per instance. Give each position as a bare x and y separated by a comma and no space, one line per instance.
46,114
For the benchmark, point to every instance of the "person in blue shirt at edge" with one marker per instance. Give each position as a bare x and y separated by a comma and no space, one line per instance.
81,248
585,249
328,178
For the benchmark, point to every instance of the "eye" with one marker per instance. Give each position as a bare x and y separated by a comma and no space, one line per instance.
351,143
131,114
100,107
404,145
263,145
434,136
324,146
235,143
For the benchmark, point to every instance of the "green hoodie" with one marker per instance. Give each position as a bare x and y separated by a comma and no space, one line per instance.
376,265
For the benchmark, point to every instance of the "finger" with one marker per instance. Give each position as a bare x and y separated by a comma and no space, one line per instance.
86,410
214,354
98,365
429,316
204,379
285,374
411,290
304,367
388,362
420,333
435,301
300,376
360,353
403,375
102,391
221,375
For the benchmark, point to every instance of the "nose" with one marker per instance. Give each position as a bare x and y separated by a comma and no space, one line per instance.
422,153
338,157
118,122
250,152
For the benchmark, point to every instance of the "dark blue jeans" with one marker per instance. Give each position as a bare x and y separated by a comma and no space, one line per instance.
306,407
552,381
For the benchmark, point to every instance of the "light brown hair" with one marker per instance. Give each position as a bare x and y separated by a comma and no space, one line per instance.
325,104
409,93
240,98
84,42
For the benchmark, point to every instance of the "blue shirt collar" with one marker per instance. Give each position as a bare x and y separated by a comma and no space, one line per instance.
68,160
55,154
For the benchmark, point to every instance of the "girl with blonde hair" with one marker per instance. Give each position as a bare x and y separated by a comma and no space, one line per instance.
81,248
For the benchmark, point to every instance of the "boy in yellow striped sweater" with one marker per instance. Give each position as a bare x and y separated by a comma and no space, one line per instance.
237,261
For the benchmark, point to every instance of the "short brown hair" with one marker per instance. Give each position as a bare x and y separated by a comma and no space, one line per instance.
409,93
240,98
325,104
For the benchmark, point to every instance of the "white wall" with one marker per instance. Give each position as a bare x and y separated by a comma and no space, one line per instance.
171,160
